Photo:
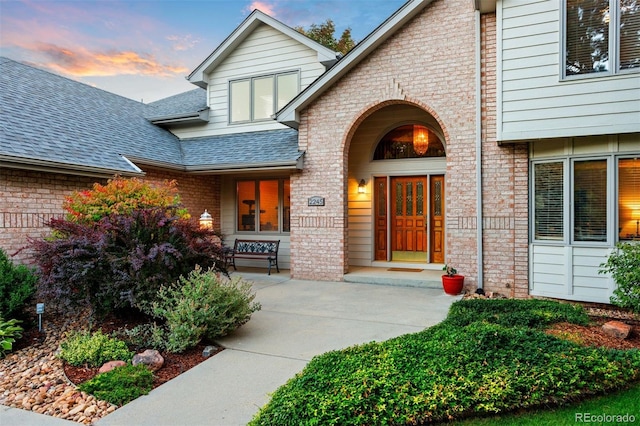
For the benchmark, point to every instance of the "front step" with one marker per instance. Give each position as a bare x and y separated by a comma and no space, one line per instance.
382,276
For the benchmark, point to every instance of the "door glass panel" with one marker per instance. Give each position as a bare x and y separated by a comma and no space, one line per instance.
399,210
419,199
381,200
437,198
409,199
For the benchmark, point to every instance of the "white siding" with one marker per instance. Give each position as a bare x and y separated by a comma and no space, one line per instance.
571,273
533,102
265,51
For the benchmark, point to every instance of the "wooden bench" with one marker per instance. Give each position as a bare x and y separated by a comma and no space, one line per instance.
253,249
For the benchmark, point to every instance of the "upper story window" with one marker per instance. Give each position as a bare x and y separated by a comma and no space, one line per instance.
602,37
258,98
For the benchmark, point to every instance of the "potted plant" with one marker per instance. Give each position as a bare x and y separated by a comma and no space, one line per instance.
452,282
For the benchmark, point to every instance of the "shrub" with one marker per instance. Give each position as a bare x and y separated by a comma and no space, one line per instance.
120,385
204,304
122,260
121,196
10,331
17,285
624,266
456,369
144,336
533,313
93,349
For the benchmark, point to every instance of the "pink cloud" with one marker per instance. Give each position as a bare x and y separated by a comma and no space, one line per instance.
84,63
264,7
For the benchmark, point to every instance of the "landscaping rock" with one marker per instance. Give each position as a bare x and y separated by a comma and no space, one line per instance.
111,365
617,329
209,350
151,358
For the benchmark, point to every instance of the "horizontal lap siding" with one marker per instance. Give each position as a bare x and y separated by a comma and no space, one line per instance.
535,103
265,51
570,273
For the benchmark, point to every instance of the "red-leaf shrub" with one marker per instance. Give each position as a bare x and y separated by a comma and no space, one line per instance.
121,196
121,260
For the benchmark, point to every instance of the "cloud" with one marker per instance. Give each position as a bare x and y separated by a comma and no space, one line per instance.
180,43
262,6
85,63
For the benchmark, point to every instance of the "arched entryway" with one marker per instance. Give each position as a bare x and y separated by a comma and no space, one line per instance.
398,215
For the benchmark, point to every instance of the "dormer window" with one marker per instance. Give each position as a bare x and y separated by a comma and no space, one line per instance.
258,98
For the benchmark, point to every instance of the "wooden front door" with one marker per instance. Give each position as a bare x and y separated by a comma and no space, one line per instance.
409,218
437,219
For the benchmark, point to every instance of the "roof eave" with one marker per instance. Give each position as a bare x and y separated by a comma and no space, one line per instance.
485,6
201,116
289,115
32,164
296,164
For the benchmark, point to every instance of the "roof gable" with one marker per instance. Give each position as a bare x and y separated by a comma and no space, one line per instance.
289,115
199,76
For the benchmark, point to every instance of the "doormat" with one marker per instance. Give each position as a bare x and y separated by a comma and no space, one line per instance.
405,270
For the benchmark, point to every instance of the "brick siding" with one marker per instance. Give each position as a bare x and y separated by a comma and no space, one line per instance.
29,199
429,63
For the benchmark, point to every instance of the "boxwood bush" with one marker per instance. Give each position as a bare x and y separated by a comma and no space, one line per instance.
93,349
120,385
17,285
488,356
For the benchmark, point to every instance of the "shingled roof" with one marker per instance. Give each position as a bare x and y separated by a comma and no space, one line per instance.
52,123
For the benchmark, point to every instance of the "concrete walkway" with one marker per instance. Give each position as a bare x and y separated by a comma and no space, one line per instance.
298,320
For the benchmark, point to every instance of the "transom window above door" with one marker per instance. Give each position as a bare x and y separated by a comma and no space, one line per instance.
409,141
258,98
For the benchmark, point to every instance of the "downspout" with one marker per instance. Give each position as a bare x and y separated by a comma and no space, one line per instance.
479,150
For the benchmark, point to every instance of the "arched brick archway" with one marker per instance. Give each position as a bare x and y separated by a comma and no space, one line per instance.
371,237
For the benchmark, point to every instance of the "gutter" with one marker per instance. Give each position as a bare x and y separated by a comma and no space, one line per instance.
69,169
479,220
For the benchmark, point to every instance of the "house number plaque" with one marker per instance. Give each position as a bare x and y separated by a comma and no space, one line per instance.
315,201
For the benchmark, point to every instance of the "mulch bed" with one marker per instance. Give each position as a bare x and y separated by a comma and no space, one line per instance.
174,365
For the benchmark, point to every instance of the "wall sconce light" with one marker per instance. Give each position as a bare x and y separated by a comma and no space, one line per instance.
206,221
362,186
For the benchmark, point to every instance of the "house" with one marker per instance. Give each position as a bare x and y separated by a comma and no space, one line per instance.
491,135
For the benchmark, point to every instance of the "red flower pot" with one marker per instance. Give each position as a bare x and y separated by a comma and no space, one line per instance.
453,284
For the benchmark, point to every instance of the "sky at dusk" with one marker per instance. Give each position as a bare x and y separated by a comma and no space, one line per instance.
144,49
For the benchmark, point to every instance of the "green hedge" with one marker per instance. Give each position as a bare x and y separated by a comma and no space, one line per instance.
488,356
